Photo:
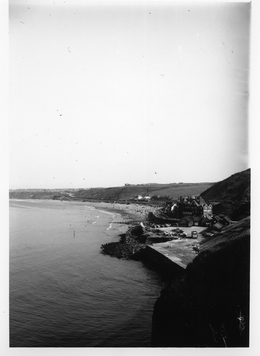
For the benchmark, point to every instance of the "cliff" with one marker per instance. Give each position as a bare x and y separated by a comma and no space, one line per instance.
208,306
233,195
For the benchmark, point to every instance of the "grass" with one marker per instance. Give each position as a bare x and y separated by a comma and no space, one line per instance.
119,193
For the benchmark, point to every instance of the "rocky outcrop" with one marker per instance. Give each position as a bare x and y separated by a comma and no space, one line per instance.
130,245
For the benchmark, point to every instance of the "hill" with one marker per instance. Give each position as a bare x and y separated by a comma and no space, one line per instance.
208,306
234,188
40,194
232,194
127,192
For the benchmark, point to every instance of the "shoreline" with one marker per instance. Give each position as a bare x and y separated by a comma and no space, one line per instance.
133,211
124,214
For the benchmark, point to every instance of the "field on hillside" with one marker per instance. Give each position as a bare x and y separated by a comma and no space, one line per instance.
115,193
182,190
129,192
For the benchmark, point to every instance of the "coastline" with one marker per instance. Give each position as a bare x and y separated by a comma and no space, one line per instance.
90,281
124,214
134,212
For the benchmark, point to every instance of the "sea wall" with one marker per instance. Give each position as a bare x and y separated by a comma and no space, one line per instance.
161,263
135,244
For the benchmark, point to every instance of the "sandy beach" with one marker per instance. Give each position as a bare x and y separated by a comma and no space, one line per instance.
135,212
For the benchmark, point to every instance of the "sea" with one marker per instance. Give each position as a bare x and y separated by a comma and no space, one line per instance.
63,291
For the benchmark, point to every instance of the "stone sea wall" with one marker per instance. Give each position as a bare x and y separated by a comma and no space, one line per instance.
160,263
135,245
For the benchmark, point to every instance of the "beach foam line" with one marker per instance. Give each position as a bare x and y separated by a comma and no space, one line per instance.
102,211
20,206
26,201
107,212
110,226
97,217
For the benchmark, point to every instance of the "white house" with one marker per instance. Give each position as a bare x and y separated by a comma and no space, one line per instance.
207,210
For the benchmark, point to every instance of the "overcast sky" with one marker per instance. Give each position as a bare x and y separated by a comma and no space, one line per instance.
133,93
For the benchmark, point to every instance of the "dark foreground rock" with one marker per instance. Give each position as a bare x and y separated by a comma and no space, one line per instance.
208,306
130,245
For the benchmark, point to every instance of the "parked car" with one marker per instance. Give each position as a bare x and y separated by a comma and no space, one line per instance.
194,235
209,234
177,230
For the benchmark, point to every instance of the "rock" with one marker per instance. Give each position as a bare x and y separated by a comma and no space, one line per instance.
136,230
128,247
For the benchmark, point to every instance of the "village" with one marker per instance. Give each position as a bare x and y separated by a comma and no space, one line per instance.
177,230
187,212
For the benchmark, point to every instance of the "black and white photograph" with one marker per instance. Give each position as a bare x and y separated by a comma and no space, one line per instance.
129,175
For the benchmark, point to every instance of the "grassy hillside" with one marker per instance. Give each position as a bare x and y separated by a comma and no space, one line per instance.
114,193
129,192
209,305
234,188
233,194
32,194
42,194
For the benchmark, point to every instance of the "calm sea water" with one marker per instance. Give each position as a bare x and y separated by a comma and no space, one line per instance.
63,291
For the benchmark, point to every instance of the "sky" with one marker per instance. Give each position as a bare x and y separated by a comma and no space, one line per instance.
103,94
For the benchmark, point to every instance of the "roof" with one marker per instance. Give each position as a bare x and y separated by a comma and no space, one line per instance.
207,205
218,226
228,219
194,202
